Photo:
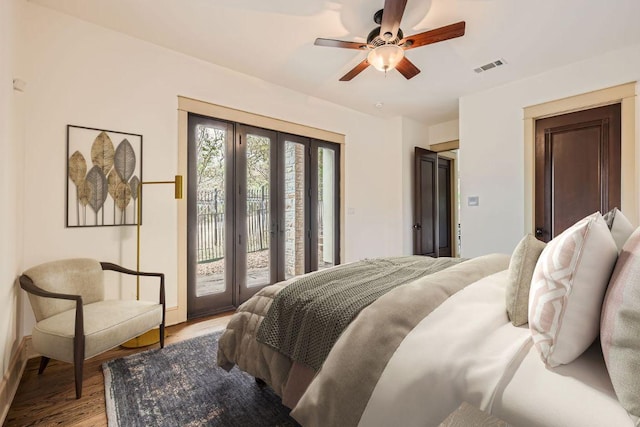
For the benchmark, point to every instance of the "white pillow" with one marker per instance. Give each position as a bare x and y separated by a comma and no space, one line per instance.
567,290
619,225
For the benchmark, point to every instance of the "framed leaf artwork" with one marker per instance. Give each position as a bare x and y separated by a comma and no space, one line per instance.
104,169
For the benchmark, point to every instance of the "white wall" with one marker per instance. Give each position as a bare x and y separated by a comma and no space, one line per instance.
444,132
11,188
82,74
414,134
492,144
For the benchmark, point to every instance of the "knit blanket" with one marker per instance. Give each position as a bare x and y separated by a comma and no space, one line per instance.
307,317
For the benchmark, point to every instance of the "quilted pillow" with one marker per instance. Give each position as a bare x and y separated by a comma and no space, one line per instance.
619,225
523,261
567,289
620,326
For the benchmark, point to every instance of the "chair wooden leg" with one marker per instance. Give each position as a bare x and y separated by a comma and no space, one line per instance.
78,366
78,361
162,335
44,361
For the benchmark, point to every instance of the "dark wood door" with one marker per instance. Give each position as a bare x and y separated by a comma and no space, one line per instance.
577,168
432,201
425,226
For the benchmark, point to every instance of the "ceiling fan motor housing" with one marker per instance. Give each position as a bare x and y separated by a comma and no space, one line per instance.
374,39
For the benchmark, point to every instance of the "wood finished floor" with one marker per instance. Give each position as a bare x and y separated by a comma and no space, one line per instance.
49,399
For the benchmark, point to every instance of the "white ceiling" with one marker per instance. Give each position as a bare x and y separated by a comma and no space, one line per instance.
273,40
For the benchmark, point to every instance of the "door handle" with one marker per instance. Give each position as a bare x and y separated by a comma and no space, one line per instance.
417,227
539,232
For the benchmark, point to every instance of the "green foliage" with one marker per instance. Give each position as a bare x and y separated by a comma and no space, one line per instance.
210,145
258,149
211,159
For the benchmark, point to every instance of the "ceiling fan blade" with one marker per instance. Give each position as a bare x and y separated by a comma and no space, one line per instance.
391,17
434,36
355,71
407,68
340,43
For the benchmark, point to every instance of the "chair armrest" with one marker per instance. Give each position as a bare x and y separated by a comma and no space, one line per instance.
119,269
27,284
115,267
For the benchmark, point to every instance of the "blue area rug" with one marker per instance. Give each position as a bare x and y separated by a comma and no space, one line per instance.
181,385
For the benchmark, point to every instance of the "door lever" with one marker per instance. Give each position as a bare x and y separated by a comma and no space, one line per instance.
417,227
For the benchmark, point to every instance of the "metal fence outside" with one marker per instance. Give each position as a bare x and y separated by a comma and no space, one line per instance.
211,226
211,217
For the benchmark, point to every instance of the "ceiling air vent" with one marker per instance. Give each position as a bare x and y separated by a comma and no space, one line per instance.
490,65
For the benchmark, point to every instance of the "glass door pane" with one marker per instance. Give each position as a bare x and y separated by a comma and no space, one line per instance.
326,208
209,276
295,230
258,210
211,207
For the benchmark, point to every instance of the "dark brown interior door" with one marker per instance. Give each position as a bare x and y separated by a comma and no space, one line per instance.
577,168
433,216
425,228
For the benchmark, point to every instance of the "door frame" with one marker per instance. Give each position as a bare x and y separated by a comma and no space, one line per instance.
443,150
624,94
455,220
448,150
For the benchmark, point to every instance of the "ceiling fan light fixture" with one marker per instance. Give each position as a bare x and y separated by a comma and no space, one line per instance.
385,57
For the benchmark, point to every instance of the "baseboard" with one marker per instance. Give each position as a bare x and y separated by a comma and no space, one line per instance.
172,316
28,348
11,379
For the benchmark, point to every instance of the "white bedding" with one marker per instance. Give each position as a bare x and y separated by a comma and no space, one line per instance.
448,358
467,350
577,394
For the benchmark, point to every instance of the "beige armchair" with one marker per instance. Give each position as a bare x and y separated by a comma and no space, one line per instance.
75,322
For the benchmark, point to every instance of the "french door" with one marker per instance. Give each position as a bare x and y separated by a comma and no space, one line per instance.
262,207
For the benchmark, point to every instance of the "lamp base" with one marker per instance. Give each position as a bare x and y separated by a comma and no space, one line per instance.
144,340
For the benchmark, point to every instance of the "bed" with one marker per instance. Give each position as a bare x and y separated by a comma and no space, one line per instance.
415,353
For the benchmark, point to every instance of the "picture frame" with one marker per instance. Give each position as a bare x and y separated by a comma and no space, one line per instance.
104,169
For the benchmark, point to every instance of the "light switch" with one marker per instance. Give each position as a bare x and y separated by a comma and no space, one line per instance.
351,211
473,200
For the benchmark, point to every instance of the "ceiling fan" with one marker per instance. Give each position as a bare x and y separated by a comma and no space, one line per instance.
386,44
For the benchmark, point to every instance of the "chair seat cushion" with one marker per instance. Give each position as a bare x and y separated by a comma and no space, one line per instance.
107,324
